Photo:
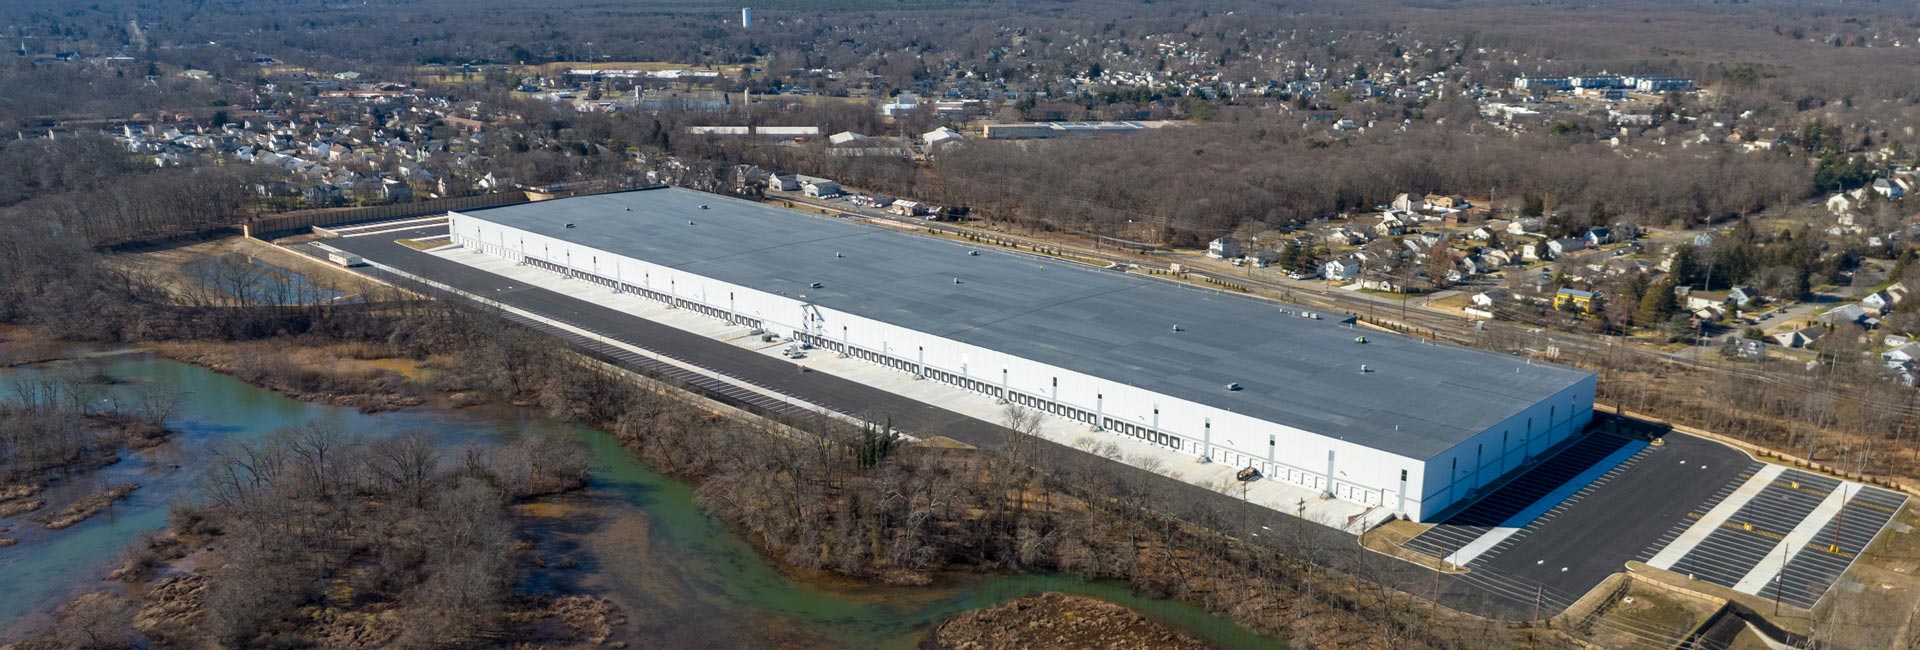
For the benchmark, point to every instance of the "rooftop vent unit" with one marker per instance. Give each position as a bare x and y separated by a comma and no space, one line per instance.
703,206
689,222
956,280
815,285
1233,386
629,208
973,253
1364,369
839,255
1360,339
1178,328
569,225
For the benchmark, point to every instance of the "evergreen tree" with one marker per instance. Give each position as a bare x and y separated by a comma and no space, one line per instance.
1658,304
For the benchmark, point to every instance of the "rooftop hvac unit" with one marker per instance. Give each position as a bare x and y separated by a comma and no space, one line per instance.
1233,386
1360,339
1178,328
815,285
569,225
1364,368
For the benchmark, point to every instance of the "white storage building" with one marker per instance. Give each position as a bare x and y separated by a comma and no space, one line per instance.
1375,418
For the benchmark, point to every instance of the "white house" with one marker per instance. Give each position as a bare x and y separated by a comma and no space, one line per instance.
1839,204
1343,270
1223,248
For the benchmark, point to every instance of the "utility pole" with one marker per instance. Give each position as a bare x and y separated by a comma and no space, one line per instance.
1538,592
1779,581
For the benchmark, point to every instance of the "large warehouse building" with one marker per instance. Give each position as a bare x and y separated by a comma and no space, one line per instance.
1365,416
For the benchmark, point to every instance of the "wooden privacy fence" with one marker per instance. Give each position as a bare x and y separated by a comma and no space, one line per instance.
302,220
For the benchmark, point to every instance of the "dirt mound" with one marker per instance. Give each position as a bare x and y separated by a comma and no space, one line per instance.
1055,621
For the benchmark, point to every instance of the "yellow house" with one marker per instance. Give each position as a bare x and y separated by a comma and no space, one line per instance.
1584,302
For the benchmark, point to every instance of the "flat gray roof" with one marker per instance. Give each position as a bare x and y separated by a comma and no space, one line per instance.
1418,400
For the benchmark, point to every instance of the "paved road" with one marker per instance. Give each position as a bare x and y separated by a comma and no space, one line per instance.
1486,591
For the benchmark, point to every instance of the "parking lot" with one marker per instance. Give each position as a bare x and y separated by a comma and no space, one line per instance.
1776,531
1589,510
1529,501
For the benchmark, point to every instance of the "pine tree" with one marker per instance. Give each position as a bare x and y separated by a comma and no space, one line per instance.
1658,304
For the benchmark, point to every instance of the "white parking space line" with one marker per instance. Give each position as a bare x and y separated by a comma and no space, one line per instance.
1770,565
1520,519
1718,515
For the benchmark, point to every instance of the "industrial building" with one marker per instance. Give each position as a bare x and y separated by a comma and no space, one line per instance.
1400,423
1044,130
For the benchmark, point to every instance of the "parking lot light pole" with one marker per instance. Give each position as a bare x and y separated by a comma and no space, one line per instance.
1780,581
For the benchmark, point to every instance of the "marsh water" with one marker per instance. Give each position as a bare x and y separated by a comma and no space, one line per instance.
633,536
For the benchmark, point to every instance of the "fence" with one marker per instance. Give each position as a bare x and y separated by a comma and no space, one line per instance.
302,220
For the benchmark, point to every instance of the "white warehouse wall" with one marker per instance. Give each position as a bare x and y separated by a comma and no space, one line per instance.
1358,473
1507,446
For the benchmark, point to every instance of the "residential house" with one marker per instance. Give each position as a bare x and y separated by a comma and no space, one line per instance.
1534,251
1565,246
1223,248
1879,302
1482,233
1697,300
394,191
1840,204
1849,314
1390,224
494,182
323,194
1904,354
1800,338
1575,300
1703,240
1596,237
783,182
1404,202
1526,226
1743,296
1888,188
1344,269
1445,202
1377,281
1347,235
